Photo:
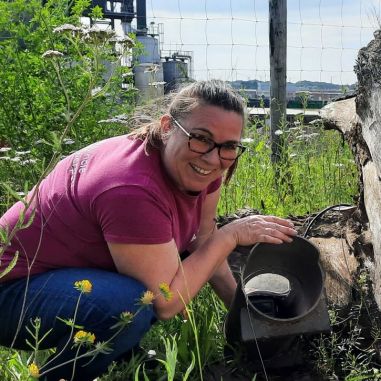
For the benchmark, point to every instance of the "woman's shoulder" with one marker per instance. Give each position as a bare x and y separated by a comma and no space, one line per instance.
121,163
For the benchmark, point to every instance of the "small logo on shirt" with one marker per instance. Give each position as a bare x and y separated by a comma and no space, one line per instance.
78,165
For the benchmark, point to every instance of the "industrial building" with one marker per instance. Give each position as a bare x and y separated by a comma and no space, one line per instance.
156,72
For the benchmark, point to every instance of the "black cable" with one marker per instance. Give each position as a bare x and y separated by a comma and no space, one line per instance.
319,215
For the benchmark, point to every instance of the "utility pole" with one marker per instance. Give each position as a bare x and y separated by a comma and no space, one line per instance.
278,72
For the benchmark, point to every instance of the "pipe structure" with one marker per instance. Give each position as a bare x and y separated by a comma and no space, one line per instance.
141,17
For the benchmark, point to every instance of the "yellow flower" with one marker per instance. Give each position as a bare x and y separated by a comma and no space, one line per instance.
165,291
126,317
84,286
33,370
147,297
83,337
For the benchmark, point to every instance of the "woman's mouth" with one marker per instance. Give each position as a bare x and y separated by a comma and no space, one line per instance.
200,170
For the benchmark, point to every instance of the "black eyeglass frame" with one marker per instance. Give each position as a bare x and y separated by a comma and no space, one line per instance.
215,145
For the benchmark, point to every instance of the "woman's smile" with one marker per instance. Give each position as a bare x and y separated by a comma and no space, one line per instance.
199,170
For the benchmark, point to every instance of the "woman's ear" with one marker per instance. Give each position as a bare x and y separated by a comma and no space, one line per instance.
165,122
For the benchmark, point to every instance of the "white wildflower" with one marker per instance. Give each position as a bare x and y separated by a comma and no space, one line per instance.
68,141
247,140
95,34
151,353
67,28
5,158
21,153
302,136
127,42
5,149
96,30
278,132
156,84
96,91
52,54
307,137
123,118
28,161
16,159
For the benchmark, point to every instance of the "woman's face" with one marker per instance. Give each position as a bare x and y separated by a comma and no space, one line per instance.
191,171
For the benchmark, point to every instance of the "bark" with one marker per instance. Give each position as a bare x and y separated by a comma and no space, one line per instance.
358,119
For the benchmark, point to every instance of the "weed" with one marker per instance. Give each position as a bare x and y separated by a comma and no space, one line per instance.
317,170
348,352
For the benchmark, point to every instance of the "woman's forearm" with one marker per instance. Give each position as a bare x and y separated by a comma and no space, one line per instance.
194,272
224,284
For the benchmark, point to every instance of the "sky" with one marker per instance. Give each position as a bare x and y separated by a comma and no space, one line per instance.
229,38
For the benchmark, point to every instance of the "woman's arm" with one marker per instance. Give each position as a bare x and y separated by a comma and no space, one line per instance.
222,281
224,284
154,264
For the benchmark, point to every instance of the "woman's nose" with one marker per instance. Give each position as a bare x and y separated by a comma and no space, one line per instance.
213,156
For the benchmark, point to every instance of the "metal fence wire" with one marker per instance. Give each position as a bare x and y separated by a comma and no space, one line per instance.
228,39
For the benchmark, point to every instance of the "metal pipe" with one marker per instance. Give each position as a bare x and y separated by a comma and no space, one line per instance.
141,16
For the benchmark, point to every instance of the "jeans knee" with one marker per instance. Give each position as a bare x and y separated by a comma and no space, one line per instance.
110,298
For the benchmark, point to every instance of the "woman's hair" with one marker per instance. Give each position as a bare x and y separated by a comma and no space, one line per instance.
181,104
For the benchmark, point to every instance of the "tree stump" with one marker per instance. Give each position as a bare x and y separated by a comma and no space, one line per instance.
358,119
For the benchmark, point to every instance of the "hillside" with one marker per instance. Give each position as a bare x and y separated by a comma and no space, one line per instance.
297,86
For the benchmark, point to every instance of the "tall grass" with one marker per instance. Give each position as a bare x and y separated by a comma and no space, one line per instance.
317,169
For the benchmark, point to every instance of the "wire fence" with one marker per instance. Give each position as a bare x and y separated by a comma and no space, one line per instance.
229,38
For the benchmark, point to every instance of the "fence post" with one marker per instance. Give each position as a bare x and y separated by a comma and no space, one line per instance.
278,71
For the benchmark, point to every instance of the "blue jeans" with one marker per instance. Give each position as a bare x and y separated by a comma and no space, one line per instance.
51,295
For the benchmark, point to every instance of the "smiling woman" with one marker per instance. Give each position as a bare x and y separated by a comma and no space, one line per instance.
193,159
118,214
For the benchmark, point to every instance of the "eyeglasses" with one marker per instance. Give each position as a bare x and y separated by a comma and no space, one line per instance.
202,144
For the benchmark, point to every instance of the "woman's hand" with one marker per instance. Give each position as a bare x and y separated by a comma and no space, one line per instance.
253,229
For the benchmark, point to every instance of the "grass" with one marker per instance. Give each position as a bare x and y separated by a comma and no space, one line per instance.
317,170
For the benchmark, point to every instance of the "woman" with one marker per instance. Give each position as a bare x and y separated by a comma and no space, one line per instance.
118,213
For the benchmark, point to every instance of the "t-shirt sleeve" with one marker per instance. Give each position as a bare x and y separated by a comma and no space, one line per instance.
214,185
132,215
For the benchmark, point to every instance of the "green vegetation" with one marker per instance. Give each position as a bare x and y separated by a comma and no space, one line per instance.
56,87
51,105
316,170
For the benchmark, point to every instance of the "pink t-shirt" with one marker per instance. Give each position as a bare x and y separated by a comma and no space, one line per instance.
109,191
